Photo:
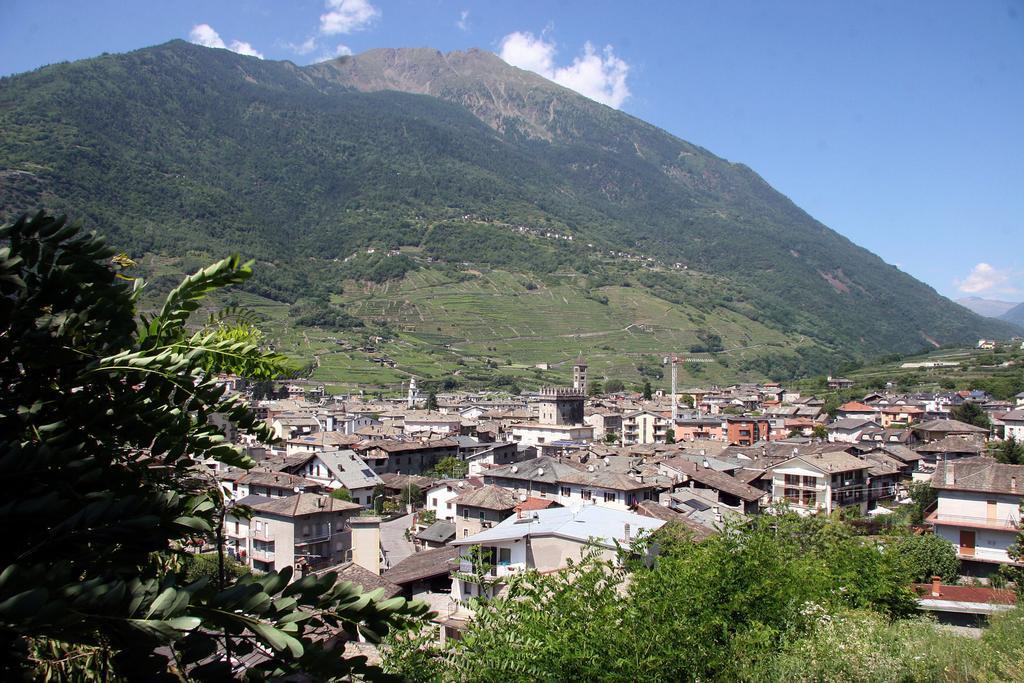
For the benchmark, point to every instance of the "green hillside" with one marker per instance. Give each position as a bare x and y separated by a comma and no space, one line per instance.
504,193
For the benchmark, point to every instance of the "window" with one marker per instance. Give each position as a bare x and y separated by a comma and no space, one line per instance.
792,495
305,531
566,492
467,588
586,494
465,532
433,501
448,505
465,513
610,496
481,515
792,480
810,481
540,439
504,557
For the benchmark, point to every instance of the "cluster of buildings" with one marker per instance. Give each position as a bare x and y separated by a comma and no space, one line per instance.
540,477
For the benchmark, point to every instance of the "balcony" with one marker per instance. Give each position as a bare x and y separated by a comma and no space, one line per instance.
264,535
500,570
1008,523
312,538
262,554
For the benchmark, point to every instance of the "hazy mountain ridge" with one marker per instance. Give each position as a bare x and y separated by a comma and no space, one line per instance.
184,151
992,308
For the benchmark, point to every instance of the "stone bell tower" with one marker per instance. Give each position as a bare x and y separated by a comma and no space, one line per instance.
579,375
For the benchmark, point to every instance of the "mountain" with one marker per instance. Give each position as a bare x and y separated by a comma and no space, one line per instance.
991,308
459,172
1015,315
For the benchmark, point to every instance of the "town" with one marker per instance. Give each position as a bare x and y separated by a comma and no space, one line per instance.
406,493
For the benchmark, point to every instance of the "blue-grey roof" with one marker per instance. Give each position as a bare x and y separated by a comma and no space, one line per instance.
604,525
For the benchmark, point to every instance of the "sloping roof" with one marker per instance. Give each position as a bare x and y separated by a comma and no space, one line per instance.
555,472
362,577
1015,415
423,565
601,524
533,503
260,477
979,474
853,423
440,531
856,407
649,508
953,443
392,447
301,504
830,462
714,479
489,497
951,426
393,480
348,468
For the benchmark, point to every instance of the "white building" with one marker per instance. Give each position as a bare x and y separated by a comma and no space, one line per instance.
1013,422
341,469
978,508
544,540
821,482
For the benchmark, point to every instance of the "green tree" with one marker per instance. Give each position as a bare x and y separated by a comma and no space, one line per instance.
431,401
1010,451
614,386
929,555
1016,553
972,414
670,436
647,390
698,611
342,494
410,494
819,432
450,467
922,497
104,421
594,389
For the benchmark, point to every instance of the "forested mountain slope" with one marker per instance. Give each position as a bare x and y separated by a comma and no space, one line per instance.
182,153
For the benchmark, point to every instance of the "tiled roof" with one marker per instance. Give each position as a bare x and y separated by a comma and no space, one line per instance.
951,426
362,577
301,504
979,474
489,497
714,479
423,565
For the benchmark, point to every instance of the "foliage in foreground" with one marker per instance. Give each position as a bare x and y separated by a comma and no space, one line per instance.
777,599
709,610
103,418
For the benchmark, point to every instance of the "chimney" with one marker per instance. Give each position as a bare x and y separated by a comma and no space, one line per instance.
366,543
718,514
627,531
706,464
1013,484
950,474
936,586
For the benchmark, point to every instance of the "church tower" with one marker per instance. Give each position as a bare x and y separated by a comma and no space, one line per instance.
579,375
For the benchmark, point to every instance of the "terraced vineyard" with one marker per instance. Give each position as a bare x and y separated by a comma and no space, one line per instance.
498,324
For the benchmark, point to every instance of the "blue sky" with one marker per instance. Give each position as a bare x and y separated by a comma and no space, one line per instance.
899,124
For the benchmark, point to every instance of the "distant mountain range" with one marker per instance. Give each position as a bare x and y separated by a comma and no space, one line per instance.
464,164
992,308
1015,315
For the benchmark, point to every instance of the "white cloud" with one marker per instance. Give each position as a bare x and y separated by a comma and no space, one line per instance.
346,16
204,34
244,48
303,48
601,76
463,22
339,51
987,279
